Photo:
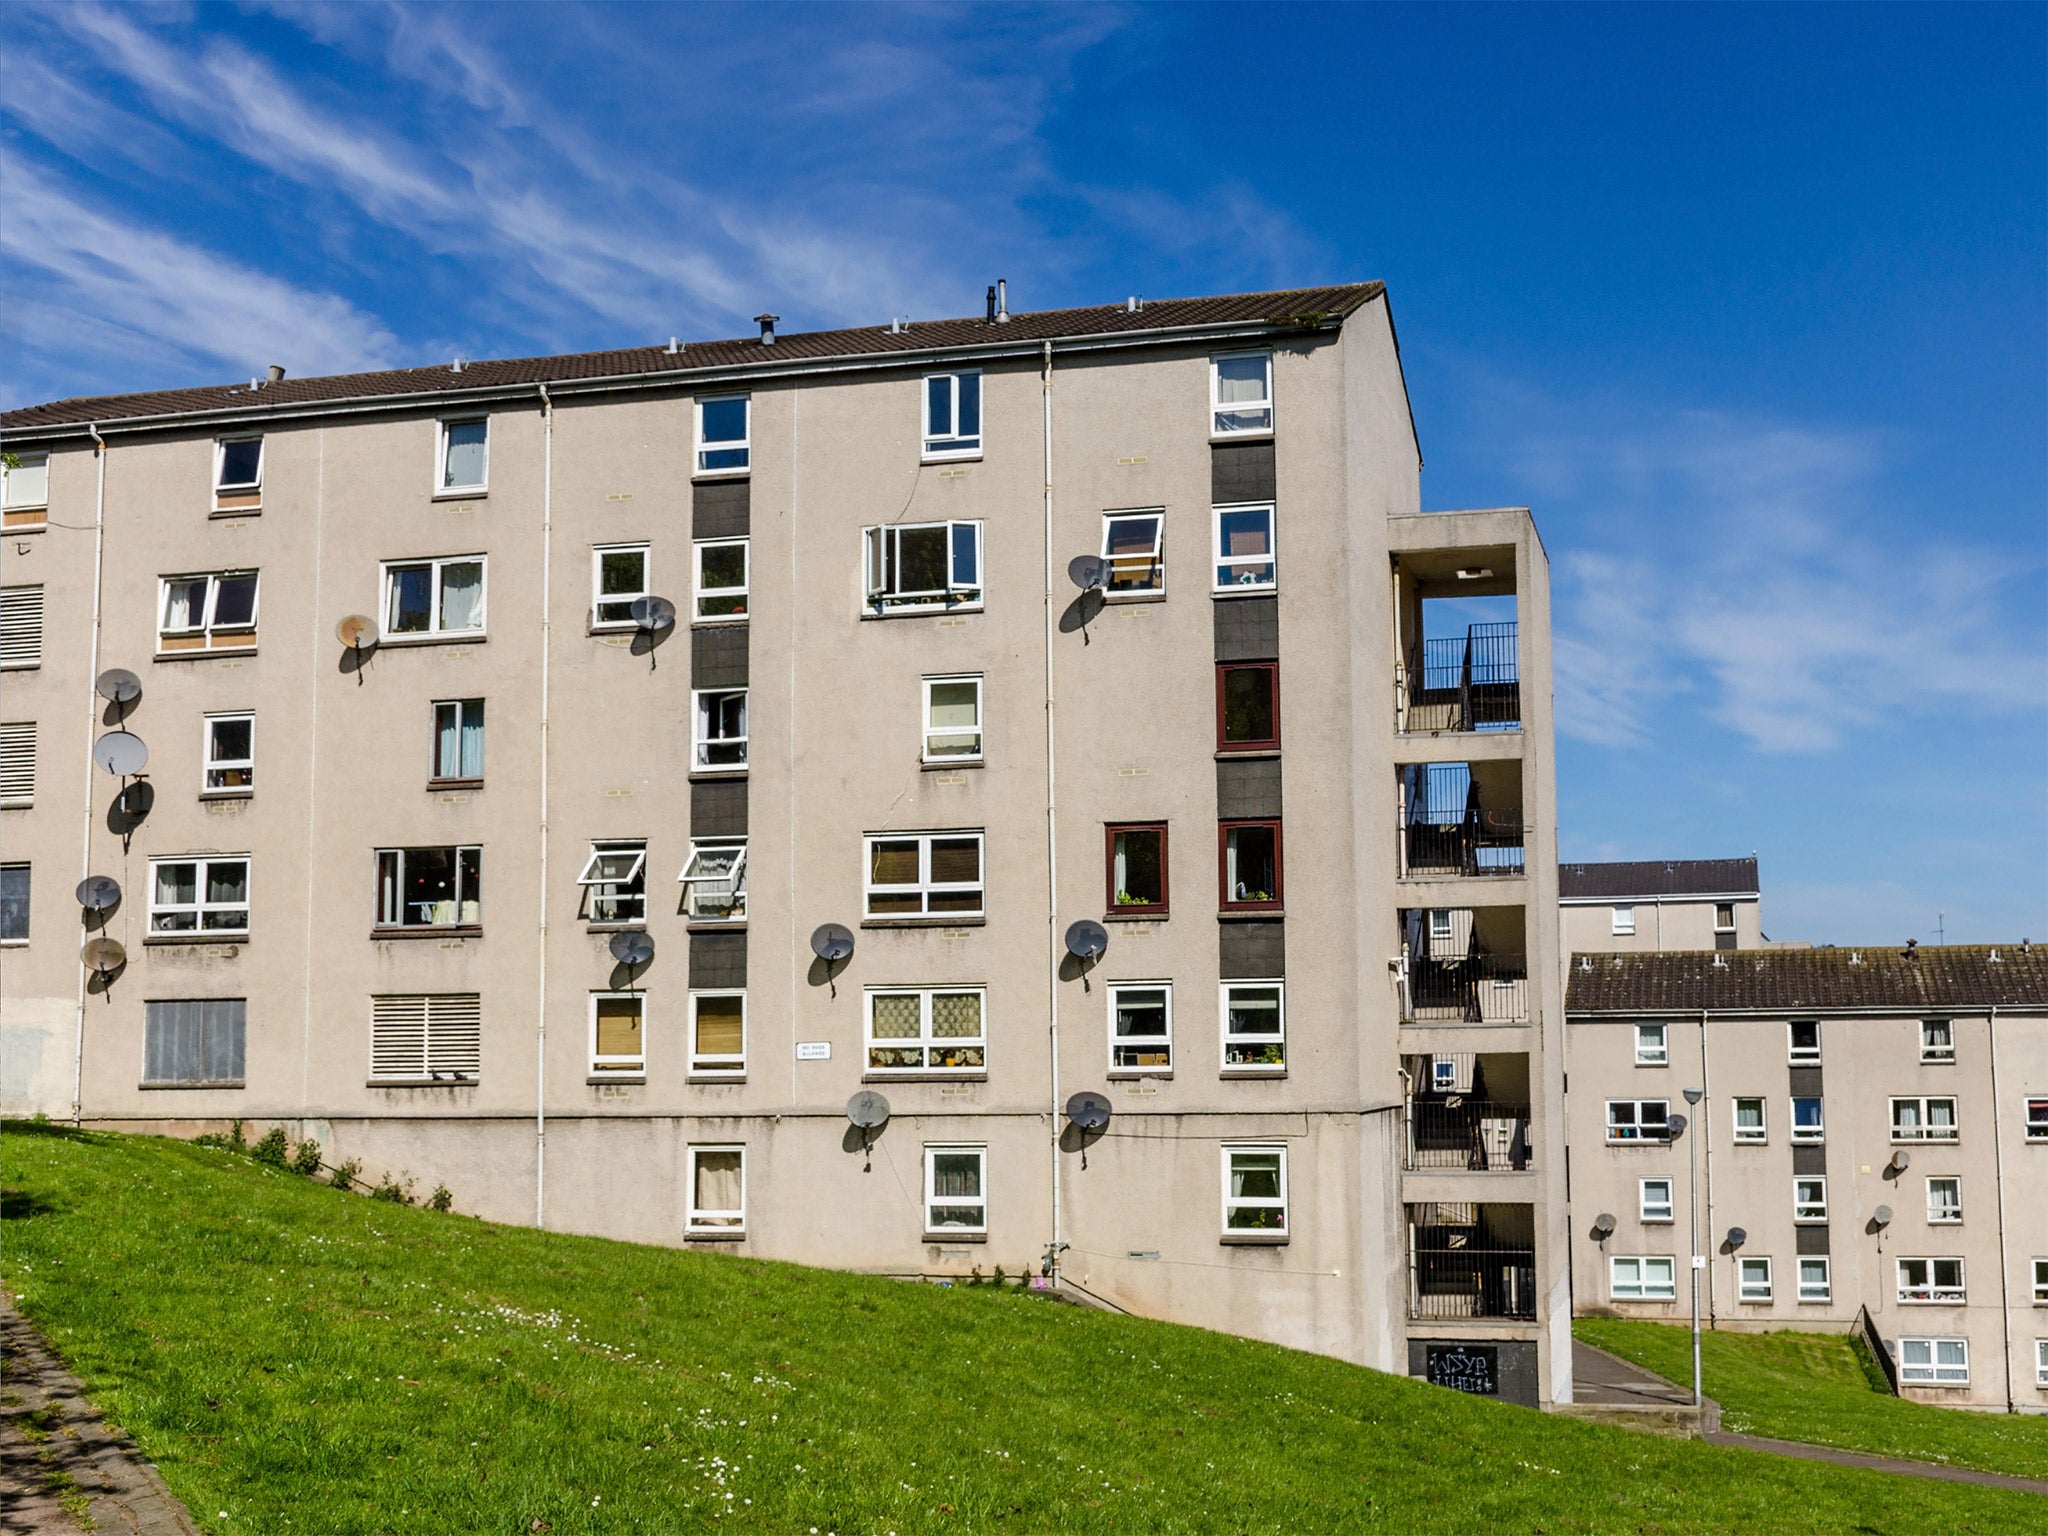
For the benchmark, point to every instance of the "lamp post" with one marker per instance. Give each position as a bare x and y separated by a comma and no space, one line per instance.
1699,1260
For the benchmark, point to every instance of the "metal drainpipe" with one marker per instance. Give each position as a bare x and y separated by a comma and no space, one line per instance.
540,1021
99,546
1998,1178
1707,1149
1052,848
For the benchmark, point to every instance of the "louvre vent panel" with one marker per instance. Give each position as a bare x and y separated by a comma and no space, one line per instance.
21,626
18,761
421,1034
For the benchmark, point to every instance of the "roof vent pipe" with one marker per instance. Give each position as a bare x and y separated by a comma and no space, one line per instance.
455,366
767,324
254,386
991,303
675,346
1134,303
1002,301
277,373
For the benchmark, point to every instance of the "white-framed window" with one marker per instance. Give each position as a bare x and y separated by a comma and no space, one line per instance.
614,880
1944,1200
1934,1362
458,739
1810,1198
230,752
955,1189
718,731
15,885
1749,1120
1641,1277
724,425
720,572
952,415
462,456
1802,1040
718,1033
2037,1119
923,874
718,1190
1816,1282
926,1031
922,567
25,491
1254,1026
18,762
1653,1048
430,887
618,1034
1807,1126
195,1042
1140,1028
1937,1040
1924,1119
199,895
237,474
211,612
1443,930
714,881
21,627
2041,1282
2041,1362
1753,1278
1241,394
423,1037
1254,1188
1934,1280
1134,544
1653,1199
952,719
426,598
1443,1074
1624,920
1724,917
620,575
1639,1120
1244,551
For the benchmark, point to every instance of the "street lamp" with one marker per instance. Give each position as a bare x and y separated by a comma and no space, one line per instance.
1699,1260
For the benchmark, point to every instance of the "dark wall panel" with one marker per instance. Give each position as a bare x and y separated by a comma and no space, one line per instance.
1247,628
1252,950
720,509
718,808
718,959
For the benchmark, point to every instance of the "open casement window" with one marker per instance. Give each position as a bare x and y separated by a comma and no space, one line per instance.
1653,1199
1140,1029
1937,1040
15,882
1816,1282
1923,1119
430,887
195,1042
1749,1120
1241,394
213,612
924,1031
924,874
431,1037
1254,1027
1944,1201
25,491
1137,869
719,731
426,598
952,719
952,416
618,1034
1934,1362
955,1190
1640,1277
18,762
922,567
719,580
723,445
718,1034
462,457
1646,1120
1250,858
1806,1121
1933,1280
615,880
1802,1037
195,895
1653,1048
458,740
714,883
1810,1199
1753,1279
1134,544
21,627
230,742
620,574
1254,1189
238,474
1248,706
1244,548
718,1191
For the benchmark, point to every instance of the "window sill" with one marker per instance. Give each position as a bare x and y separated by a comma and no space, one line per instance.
919,610
949,1239
959,921
1253,1239
1244,1074
462,493
420,1082
206,652
441,931
176,1087
943,765
1141,1075
1223,753
1246,435
227,794
1656,1221
940,1075
13,943
699,775
616,1080
461,637
719,621
1232,914
455,784
196,938
713,925
1117,599
228,514
1225,594
606,631
723,474
724,1235
1937,1061
714,1079
1750,1141
1137,914
956,456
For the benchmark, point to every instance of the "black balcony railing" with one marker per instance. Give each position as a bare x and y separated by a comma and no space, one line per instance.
1479,842
1484,989
1446,1281
1471,682
1475,1134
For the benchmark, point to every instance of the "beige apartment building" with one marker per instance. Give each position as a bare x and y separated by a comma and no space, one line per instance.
1125,616
1872,1142
1660,904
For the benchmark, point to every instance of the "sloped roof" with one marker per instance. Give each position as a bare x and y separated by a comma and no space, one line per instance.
1286,309
1936,978
1648,878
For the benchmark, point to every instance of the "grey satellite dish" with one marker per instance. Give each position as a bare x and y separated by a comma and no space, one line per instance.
632,947
121,753
1737,1237
1603,1226
1675,1126
117,685
653,613
1086,940
1902,1160
868,1110
1089,1111
832,942
103,955
96,893
1882,1215
356,631
1088,572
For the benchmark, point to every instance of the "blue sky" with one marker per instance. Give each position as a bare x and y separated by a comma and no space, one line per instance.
1748,303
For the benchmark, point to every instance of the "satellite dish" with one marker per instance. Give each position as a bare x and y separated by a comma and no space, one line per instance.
117,685
1089,1111
832,942
632,947
356,631
1901,1160
121,753
868,1110
1087,940
653,613
1882,1215
1675,1126
1088,572
1603,1226
1737,1237
96,893
103,955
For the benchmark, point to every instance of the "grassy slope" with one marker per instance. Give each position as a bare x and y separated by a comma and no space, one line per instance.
1808,1386
295,1358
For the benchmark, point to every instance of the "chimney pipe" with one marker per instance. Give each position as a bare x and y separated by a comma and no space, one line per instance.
276,373
675,346
991,303
767,324
1002,301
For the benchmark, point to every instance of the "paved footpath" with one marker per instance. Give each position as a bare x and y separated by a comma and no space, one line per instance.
60,1463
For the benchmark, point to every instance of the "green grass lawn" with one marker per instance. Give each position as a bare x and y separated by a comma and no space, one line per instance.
296,1358
1810,1386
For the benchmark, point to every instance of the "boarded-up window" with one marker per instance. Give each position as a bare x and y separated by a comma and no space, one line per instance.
21,626
426,1035
195,1042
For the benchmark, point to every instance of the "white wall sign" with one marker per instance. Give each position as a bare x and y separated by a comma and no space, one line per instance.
814,1050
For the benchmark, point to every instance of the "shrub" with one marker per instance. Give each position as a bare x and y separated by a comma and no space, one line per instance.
306,1158
230,1140
442,1199
344,1175
393,1192
274,1148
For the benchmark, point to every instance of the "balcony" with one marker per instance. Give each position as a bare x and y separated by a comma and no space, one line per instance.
1484,989
1461,820
1468,682
1471,1261
1469,1111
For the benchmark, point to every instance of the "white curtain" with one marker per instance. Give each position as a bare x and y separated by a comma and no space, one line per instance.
462,595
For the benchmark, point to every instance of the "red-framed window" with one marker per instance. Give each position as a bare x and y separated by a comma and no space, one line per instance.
1248,706
1135,867
1248,864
